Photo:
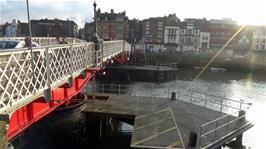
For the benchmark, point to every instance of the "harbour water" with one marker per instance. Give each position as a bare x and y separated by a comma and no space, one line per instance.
83,132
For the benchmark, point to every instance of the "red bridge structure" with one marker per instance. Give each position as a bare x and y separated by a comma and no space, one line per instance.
34,84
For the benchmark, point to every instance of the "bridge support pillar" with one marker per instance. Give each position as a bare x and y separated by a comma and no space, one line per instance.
47,94
84,74
4,120
70,81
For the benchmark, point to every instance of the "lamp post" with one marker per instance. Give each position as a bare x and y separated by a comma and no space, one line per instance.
29,23
95,35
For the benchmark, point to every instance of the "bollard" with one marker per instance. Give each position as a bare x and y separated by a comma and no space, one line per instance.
192,142
242,114
47,94
173,96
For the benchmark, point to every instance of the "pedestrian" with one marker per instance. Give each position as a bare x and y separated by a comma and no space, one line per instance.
27,41
59,40
64,41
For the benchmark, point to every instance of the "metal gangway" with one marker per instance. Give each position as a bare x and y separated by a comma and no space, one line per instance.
22,81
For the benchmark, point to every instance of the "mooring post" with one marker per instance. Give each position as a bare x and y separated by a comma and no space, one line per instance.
173,96
178,93
241,116
192,142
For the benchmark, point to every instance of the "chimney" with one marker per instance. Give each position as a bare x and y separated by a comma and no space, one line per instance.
112,11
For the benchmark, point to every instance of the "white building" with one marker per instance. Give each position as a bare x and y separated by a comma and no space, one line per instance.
171,37
259,39
190,35
204,41
11,30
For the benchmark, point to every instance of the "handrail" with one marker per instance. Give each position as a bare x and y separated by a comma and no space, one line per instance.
221,103
217,127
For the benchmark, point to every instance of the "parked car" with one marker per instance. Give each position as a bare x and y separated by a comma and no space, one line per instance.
13,44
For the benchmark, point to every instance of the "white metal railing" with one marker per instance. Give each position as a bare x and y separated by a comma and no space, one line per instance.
114,47
53,65
207,100
21,82
211,132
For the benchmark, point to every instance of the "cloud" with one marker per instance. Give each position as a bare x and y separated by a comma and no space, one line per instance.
78,11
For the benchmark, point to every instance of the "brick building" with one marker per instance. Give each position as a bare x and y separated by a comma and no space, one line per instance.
112,26
221,31
56,27
153,33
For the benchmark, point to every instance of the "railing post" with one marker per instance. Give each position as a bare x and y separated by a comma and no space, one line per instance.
241,102
227,126
221,105
178,93
216,123
151,90
199,144
205,101
47,91
118,89
191,94
168,95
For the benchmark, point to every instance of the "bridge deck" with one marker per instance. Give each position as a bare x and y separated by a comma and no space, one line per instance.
162,123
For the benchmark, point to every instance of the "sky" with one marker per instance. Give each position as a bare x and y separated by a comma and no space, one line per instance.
249,12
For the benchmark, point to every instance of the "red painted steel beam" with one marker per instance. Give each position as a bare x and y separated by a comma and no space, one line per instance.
34,111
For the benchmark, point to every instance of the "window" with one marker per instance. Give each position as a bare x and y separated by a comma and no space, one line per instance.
182,40
257,47
183,31
189,31
160,24
147,24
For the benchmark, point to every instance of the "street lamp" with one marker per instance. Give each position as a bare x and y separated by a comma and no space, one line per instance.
29,23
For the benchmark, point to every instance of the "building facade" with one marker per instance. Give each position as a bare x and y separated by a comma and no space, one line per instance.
112,26
221,32
171,33
153,31
56,27
190,35
259,39
204,41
